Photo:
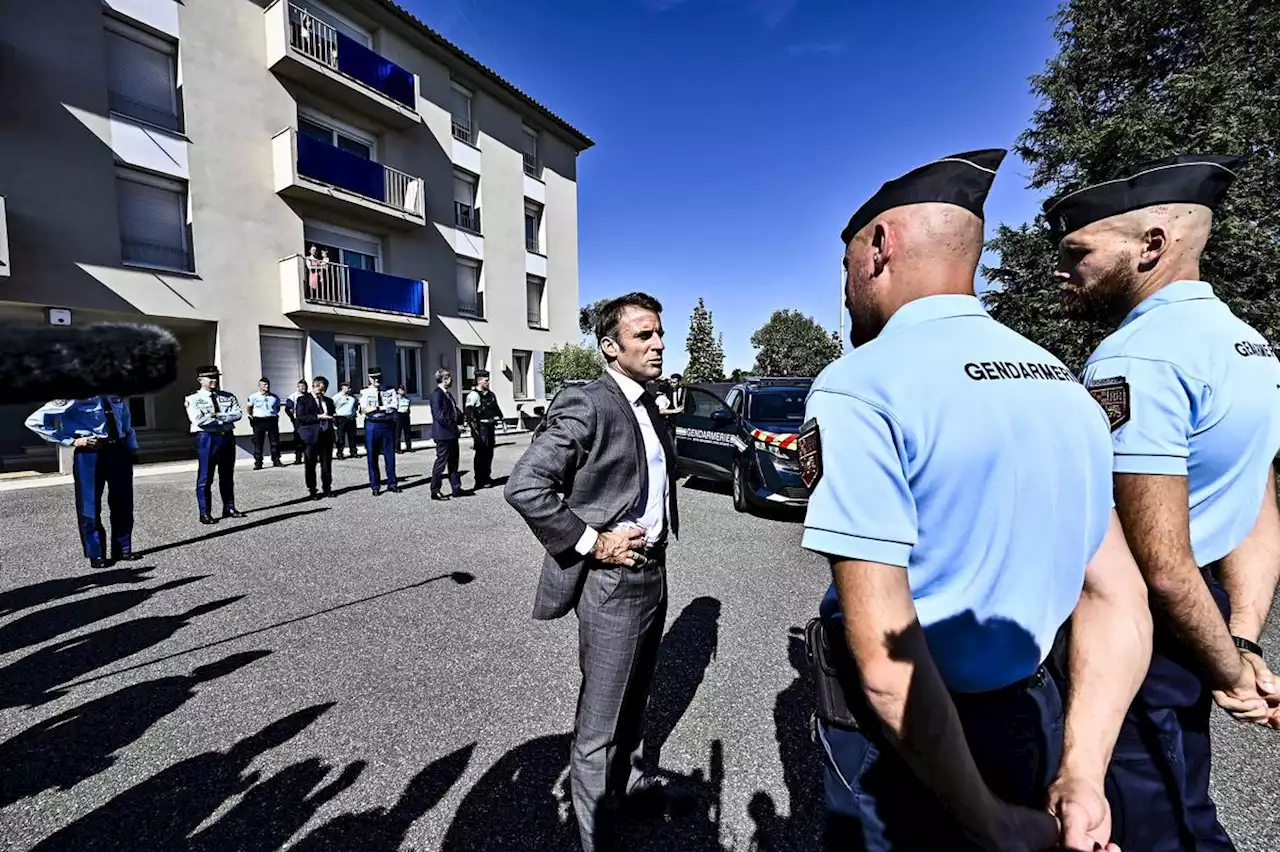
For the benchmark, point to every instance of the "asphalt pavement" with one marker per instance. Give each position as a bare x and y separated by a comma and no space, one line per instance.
362,673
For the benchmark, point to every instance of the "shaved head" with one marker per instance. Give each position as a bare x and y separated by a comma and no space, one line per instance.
904,254
1110,265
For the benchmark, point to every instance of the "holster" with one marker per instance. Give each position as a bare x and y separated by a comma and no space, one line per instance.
834,674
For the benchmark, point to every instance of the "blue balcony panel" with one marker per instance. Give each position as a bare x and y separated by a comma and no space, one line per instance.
387,292
330,164
376,72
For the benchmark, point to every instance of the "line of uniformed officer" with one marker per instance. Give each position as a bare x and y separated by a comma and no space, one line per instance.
482,414
380,409
213,414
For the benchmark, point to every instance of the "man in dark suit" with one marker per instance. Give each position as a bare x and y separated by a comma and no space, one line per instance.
444,431
595,488
313,413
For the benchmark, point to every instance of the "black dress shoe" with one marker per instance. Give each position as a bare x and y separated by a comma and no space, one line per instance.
277,463
441,497
125,557
315,495
377,492
394,489
655,796
257,465
328,492
207,519
232,513
97,563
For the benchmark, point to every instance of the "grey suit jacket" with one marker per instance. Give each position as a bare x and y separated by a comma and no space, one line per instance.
587,468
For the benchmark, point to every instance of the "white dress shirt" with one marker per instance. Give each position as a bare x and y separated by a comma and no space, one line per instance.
653,516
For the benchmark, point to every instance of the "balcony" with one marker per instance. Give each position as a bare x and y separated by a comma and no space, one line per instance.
531,165
315,171
305,49
471,305
466,217
334,289
4,241
462,130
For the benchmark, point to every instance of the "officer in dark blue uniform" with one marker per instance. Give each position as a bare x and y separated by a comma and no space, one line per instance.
213,414
1193,398
379,409
102,433
961,490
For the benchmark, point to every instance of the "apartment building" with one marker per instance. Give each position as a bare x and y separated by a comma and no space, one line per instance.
294,188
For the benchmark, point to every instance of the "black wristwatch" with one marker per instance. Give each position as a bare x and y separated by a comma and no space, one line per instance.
1246,645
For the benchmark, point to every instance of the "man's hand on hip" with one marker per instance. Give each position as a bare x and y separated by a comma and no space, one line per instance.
620,548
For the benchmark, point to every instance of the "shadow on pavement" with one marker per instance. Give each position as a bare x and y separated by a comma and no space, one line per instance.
384,829
687,650
801,766
337,492
51,622
161,812
33,679
233,528
75,745
25,597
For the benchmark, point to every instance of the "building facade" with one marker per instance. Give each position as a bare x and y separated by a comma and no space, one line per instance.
293,188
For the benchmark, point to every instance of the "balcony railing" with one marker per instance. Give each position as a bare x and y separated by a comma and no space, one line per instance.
532,244
329,283
155,254
466,216
535,317
471,305
330,164
531,164
318,40
462,129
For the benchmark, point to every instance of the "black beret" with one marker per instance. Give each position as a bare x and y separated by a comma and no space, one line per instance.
1185,179
961,179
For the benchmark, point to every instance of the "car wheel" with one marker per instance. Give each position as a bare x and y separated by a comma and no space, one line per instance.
740,487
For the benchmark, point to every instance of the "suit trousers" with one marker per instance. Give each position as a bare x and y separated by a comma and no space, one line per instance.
295,443
216,452
264,429
345,429
483,440
446,458
109,466
319,451
621,614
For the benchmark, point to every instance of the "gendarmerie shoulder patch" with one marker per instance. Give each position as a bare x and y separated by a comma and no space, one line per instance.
809,447
1113,395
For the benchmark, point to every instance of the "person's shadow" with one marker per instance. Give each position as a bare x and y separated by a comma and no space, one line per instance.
51,622
68,748
687,650
35,594
161,812
384,829
33,679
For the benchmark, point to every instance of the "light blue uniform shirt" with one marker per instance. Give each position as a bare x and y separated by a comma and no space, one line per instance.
378,405
344,405
200,411
402,403
1197,394
63,420
263,404
958,449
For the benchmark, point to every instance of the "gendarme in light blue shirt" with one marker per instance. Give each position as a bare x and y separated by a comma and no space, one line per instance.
344,404
263,404
962,451
1197,394
63,420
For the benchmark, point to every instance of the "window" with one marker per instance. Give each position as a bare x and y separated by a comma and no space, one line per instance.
530,153
460,108
734,401
472,359
409,367
350,248
520,362
281,352
141,412
465,212
142,76
535,291
345,140
153,220
351,356
533,226
470,296
777,406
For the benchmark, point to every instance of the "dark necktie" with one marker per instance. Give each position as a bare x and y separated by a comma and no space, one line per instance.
213,395
113,428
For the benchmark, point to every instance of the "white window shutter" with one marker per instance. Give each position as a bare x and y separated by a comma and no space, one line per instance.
281,361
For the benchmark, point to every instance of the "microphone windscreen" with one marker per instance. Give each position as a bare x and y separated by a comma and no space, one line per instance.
40,363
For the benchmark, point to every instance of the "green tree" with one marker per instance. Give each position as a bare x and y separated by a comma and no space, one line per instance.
571,361
588,314
706,350
1141,80
792,344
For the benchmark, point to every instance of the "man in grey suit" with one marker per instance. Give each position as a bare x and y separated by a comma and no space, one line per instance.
596,489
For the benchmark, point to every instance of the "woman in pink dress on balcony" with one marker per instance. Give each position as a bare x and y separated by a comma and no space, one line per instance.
316,261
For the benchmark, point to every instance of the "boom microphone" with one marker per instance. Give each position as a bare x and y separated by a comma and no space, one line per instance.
40,363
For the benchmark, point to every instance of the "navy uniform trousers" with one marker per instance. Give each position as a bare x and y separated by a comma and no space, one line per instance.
875,803
380,438
110,465
217,452
265,429
482,435
1158,781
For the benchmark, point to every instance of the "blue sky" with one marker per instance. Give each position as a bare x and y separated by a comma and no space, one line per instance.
735,137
